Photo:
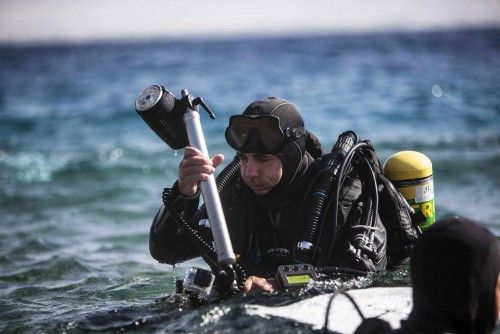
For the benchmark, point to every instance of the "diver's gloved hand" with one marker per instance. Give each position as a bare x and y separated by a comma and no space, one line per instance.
194,168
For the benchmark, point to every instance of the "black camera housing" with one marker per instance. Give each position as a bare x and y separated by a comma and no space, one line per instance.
163,113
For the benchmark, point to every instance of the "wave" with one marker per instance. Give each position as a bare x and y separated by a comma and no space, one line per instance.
38,166
53,269
31,166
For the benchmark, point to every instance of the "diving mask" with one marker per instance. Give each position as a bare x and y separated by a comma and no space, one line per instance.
266,129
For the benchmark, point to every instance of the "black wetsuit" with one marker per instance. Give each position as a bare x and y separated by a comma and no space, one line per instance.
258,224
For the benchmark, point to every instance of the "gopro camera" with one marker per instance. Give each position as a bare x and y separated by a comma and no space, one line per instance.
198,282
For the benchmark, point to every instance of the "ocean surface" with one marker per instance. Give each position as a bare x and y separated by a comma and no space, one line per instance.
81,174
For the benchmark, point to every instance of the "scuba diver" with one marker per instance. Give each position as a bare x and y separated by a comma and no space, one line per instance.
455,276
455,272
284,202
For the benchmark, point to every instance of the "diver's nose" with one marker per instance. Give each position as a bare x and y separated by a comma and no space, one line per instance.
252,169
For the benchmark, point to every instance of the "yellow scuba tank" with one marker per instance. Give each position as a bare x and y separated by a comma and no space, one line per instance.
411,174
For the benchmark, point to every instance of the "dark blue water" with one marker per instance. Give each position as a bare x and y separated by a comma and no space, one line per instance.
81,175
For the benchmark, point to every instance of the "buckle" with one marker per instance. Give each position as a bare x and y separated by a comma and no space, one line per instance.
294,132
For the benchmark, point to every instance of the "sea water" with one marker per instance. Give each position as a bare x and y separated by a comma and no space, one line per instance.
81,175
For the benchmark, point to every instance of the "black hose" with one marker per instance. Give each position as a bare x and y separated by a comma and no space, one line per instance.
196,238
318,194
374,192
228,174
369,217
316,202
329,305
209,253
334,199
370,214
226,177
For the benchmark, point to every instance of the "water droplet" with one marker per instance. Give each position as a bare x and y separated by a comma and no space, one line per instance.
175,153
117,153
437,91
173,275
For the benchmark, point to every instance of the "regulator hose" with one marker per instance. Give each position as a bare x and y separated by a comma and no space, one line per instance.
228,174
210,255
226,177
368,218
329,306
318,194
374,192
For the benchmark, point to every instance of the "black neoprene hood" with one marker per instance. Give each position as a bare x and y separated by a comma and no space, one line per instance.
454,269
292,150
286,111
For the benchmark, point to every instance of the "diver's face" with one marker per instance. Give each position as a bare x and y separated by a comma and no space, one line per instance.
261,172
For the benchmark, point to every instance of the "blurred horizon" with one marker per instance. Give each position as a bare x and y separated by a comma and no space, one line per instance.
57,21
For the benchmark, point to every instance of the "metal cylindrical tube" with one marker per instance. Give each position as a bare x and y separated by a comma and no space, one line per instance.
411,174
223,246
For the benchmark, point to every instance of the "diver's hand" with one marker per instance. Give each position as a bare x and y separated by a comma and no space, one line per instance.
254,283
194,168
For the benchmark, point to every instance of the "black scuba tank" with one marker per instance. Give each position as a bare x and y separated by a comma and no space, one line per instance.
319,194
